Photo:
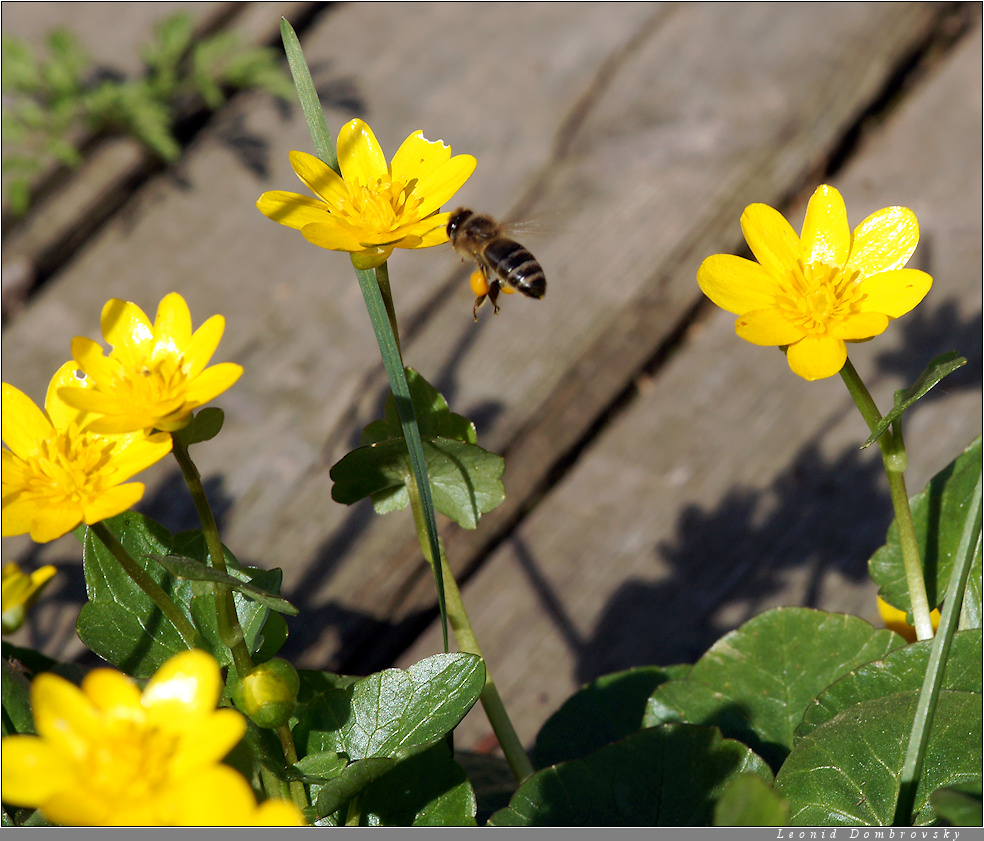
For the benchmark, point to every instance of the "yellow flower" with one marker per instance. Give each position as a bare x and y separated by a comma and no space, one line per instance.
814,292
372,208
110,755
20,591
57,473
894,620
155,375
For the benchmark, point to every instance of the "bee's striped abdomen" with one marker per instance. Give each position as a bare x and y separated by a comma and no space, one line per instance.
516,266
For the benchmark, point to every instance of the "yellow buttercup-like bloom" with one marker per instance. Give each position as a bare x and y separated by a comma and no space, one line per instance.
155,376
372,208
812,293
110,755
20,591
57,472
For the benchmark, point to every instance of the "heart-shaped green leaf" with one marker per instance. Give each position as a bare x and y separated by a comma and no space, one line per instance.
847,770
755,682
206,425
670,775
938,514
604,711
748,800
902,670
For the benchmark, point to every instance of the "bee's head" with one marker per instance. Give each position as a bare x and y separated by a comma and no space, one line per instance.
456,220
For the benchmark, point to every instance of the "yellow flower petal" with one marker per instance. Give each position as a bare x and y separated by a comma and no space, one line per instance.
817,357
884,241
320,179
112,691
826,235
212,382
417,156
292,209
63,715
736,284
49,523
360,159
124,323
371,258
32,771
859,326
89,357
172,326
767,327
771,239
333,233
895,293
135,452
24,425
205,739
18,513
59,412
111,502
186,685
438,185
430,231
202,345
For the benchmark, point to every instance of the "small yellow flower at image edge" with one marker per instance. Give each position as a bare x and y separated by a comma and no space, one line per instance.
895,620
57,472
156,374
372,207
107,754
812,293
20,592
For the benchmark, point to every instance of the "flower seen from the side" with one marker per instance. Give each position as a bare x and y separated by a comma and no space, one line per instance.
812,293
20,591
156,374
57,472
107,754
373,207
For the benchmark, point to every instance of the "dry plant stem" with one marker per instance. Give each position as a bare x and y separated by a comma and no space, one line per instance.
142,579
464,634
894,458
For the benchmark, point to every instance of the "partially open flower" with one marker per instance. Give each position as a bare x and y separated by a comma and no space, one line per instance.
812,293
372,207
20,591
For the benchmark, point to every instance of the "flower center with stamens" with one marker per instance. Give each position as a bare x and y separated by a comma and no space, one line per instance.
67,467
816,296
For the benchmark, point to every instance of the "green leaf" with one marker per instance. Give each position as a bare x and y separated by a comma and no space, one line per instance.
434,418
847,771
902,670
665,776
938,514
959,805
755,682
192,570
429,789
938,368
203,427
324,148
603,711
15,695
385,717
748,800
321,766
119,622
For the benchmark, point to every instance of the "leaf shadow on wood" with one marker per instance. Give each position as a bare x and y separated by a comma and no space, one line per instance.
738,558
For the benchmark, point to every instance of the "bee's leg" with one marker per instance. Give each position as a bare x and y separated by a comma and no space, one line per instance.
494,296
478,302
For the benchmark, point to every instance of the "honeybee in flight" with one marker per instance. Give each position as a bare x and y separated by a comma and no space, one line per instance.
504,265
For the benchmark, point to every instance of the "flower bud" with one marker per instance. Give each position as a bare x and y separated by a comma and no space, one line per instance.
268,694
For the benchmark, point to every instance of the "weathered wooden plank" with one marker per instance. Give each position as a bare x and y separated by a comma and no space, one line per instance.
729,485
628,126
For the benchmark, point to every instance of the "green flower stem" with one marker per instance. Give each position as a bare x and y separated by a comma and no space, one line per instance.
297,793
383,279
142,579
464,634
230,631
894,458
970,545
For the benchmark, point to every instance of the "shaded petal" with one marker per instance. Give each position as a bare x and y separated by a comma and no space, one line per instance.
172,326
359,157
736,284
861,325
187,685
124,324
52,521
768,327
112,501
826,235
427,232
111,691
333,233
817,357
199,349
292,209
24,425
320,179
64,716
62,414
370,258
33,770
215,796
135,452
74,806
771,238
18,514
211,382
90,358
895,293
437,186
206,740
417,156
276,812
884,241
97,402
124,420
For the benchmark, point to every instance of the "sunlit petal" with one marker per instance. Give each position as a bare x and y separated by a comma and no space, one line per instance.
736,284
417,156
826,235
292,209
124,323
861,325
359,157
817,357
24,424
767,327
884,241
771,239
320,179
895,293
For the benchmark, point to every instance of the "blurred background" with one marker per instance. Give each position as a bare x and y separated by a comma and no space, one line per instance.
665,481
